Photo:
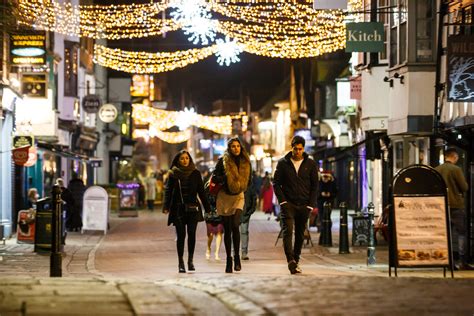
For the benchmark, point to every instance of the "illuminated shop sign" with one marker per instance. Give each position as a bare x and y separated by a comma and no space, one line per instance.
28,48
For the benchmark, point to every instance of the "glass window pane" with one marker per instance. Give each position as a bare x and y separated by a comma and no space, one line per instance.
403,42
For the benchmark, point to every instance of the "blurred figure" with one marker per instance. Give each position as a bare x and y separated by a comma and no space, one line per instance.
249,208
457,188
257,184
327,193
32,198
214,225
150,191
77,188
267,195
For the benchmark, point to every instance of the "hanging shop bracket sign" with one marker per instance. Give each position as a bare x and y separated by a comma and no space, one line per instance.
91,103
365,37
460,68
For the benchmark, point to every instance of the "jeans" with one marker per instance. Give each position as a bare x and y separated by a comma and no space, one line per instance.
244,237
297,217
458,230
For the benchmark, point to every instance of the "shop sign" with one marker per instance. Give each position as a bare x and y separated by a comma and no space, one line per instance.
108,113
28,48
329,4
95,209
356,88
365,37
32,157
26,226
23,141
460,68
20,155
91,103
34,85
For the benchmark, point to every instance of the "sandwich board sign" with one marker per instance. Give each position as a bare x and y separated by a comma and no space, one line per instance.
95,210
419,222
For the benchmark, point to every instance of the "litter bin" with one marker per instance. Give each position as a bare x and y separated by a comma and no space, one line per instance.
43,227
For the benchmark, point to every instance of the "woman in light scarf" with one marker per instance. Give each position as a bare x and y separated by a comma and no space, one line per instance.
233,170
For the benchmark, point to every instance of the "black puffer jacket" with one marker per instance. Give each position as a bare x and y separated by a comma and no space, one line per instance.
299,189
191,187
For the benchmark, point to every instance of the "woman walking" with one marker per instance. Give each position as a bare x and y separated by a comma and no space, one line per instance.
233,171
183,186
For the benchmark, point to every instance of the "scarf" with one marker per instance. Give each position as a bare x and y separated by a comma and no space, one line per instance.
237,175
181,172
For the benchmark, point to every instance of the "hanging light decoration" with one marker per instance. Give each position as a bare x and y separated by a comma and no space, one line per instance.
195,20
227,51
144,62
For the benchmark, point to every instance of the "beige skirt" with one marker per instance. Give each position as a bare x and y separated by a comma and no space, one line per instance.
227,204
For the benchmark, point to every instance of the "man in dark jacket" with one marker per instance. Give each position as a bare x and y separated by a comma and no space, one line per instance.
296,186
457,187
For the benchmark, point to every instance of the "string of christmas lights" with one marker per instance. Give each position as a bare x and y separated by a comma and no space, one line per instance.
144,62
96,21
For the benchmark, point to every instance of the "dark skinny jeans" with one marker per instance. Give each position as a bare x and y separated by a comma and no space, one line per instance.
181,229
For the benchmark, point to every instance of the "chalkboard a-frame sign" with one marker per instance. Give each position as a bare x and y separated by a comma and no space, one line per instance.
421,235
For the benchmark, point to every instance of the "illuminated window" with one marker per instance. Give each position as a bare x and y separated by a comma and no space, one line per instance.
70,69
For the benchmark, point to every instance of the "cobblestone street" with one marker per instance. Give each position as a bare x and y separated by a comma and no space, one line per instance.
133,271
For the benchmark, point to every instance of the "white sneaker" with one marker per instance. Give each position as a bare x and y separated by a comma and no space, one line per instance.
217,257
208,254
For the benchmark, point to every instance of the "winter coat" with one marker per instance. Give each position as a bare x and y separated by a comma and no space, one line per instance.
191,187
456,183
299,189
235,179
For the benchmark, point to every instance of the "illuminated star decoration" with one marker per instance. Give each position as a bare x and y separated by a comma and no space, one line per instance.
195,19
186,118
227,51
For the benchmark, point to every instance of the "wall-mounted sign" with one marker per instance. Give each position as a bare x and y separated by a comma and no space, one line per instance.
34,85
356,88
108,113
28,48
91,103
20,155
460,68
23,141
365,37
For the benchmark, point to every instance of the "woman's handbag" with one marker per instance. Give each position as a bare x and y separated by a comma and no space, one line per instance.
214,187
187,208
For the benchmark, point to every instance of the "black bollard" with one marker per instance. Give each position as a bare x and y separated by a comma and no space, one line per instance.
343,229
325,239
55,267
371,247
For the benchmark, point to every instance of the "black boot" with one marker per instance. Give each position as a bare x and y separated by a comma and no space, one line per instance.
237,265
181,267
228,265
191,264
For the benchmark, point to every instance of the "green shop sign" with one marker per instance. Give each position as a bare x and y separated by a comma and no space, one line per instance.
365,37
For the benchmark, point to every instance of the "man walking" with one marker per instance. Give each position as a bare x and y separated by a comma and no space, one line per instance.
296,186
457,187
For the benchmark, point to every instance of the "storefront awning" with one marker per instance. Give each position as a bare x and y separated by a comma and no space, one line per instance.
61,151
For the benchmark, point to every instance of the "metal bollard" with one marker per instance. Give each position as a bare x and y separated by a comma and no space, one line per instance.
343,229
325,239
371,248
55,267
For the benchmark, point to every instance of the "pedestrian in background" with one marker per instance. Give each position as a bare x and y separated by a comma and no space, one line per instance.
327,193
233,171
257,181
249,208
77,188
296,186
267,196
182,206
150,191
457,187
32,198
214,225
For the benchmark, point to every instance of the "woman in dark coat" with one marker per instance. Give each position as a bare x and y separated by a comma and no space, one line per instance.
233,171
183,186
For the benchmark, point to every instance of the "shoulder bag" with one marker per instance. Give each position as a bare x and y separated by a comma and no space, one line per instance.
214,187
188,208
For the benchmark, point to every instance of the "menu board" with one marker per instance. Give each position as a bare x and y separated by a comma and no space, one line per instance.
421,231
95,211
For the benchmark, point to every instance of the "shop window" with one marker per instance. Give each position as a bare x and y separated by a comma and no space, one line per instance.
398,32
383,17
398,159
70,69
